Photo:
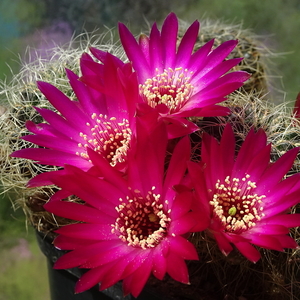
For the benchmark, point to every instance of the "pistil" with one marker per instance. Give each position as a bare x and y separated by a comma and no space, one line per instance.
172,88
109,137
236,204
143,221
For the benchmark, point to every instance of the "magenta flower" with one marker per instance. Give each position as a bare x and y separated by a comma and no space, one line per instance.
176,82
132,226
296,110
247,196
103,121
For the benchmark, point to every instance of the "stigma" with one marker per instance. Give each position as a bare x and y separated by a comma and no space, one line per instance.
108,137
172,88
142,222
236,204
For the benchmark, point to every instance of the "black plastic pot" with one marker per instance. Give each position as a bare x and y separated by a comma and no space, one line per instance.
62,282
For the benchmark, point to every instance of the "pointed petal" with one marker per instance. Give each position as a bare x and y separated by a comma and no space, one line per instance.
63,104
82,254
180,127
266,241
223,243
215,73
282,204
296,110
114,275
169,39
91,278
176,268
287,242
278,170
271,229
280,190
182,205
216,57
78,212
227,150
183,248
119,250
144,45
182,225
288,220
97,192
65,145
259,163
221,87
187,45
159,268
140,277
134,53
43,179
177,166
82,93
62,242
52,157
106,170
139,257
198,59
94,232
155,48
57,122
253,143
248,251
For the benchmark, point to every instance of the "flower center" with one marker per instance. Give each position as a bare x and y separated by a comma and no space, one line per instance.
236,204
172,88
142,221
109,137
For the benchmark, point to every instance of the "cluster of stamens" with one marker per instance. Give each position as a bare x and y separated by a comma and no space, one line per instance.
172,88
236,204
108,137
143,221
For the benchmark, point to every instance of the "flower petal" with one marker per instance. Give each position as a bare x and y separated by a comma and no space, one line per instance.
82,254
266,241
248,251
63,104
138,279
186,45
78,212
183,248
52,157
88,231
134,53
169,32
289,220
176,268
155,49
91,278
159,267
182,225
223,243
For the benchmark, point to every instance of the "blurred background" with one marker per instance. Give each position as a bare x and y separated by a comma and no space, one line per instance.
40,24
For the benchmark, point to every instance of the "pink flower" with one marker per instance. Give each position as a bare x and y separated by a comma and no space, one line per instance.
296,110
176,82
247,196
131,226
103,121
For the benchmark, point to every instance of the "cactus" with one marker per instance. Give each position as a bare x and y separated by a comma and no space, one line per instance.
249,106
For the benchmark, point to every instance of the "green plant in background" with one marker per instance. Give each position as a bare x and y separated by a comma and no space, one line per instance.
278,21
265,17
248,108
23,268
17,19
